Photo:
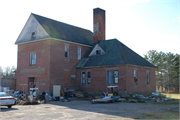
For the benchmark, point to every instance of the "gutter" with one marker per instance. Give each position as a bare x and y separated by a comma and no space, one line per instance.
50,38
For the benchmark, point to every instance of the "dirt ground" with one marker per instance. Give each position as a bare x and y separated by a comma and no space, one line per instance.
83,110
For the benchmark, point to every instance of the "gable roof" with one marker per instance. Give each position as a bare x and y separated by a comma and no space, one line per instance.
116,54
63,31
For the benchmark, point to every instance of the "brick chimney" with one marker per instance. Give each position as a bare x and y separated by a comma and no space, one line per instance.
98,25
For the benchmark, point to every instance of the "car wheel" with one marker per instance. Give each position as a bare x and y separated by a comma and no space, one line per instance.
9,106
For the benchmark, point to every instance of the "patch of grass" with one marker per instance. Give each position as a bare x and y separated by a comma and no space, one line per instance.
172,95
158,115
169,102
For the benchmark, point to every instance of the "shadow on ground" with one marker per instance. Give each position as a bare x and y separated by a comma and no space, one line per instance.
5,109
124,110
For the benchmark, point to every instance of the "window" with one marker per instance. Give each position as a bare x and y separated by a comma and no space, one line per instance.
98,52
88,77
83,78
79,53
147,77
32,59
115,76
135,76
33,35
66,51
109,77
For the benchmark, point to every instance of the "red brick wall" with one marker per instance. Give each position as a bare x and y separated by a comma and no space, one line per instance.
42,61
62,68
58,70
98,79
126,79
99,24
142,85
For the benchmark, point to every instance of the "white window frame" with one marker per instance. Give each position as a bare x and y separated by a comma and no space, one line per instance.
135,76
79,53
66,50
148,77
31,59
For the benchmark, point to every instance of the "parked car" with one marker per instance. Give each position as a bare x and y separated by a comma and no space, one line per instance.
105,98
6,100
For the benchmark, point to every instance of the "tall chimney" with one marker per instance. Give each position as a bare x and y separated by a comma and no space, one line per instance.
99,25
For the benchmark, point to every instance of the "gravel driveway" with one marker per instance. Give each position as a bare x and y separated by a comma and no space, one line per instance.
80,109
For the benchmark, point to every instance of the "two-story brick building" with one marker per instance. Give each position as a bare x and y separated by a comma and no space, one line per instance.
54,53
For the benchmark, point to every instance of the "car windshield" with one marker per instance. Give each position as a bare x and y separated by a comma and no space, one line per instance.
3,95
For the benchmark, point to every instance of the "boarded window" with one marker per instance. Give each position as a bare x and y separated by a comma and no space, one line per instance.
32,59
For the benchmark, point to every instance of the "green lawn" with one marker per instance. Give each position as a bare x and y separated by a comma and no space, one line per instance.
172,95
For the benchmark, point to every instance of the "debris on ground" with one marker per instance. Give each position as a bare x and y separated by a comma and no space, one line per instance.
152,97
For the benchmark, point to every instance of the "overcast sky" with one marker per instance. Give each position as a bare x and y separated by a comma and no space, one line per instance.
140,25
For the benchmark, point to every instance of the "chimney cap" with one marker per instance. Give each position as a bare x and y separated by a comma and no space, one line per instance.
98,8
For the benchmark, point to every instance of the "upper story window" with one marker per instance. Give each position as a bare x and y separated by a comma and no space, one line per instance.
33,35
98,52
79,53
66,53
147,77
33,59
135,76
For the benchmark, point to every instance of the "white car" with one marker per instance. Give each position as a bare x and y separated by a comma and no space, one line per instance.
6,100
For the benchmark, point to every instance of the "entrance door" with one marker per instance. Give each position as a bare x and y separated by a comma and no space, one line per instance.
32,84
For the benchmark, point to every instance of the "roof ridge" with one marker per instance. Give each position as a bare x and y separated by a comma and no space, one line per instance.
121,50
61,22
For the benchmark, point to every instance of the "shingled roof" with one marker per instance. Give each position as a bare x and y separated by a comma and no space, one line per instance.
116,54
64,31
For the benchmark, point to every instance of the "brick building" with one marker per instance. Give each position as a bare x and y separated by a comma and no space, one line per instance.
54,53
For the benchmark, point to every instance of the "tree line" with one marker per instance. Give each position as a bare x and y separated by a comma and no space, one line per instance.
8,72
167,72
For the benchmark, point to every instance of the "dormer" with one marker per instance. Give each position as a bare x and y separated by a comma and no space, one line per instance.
97,51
